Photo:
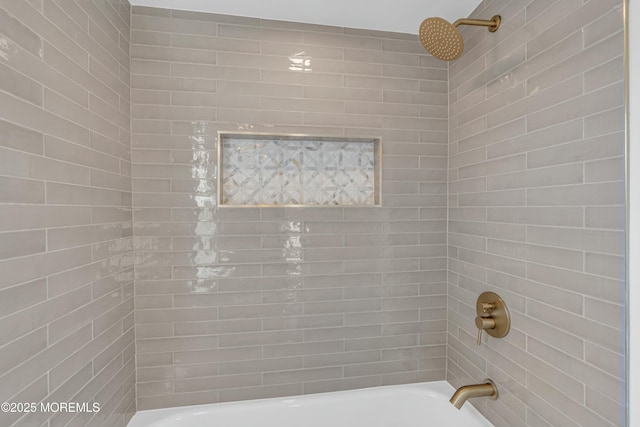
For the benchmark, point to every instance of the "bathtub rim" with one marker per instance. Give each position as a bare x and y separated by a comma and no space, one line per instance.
440,389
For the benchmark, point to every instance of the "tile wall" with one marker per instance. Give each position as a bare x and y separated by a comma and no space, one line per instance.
66,265
536,194
240,303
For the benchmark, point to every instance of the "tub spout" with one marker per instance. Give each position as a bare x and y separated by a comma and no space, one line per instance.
488,389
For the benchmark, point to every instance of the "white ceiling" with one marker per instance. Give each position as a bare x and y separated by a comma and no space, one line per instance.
402,16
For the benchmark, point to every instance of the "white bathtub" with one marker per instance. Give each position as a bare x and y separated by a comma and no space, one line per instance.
412,405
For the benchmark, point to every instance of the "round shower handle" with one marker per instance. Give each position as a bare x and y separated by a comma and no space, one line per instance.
484,323
492,316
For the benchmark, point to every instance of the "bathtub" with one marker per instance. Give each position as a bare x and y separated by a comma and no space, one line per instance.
424,404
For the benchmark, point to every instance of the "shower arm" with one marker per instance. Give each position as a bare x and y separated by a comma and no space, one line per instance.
493,23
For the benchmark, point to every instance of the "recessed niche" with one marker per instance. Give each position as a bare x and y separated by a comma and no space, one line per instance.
298,170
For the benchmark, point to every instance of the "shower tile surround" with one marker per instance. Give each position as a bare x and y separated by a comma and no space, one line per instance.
536,211
66,265
239,303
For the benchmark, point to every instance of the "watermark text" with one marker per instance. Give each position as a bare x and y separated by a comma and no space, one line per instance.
51,407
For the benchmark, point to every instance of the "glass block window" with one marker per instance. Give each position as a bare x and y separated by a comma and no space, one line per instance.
278,170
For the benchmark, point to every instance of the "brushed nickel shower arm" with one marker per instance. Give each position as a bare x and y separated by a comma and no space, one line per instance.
493,23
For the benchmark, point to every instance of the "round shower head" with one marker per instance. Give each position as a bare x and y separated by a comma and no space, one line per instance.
441,39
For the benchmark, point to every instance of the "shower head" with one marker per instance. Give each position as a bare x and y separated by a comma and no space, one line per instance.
443,40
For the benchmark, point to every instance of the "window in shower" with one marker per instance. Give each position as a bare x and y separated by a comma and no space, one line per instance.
298,170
